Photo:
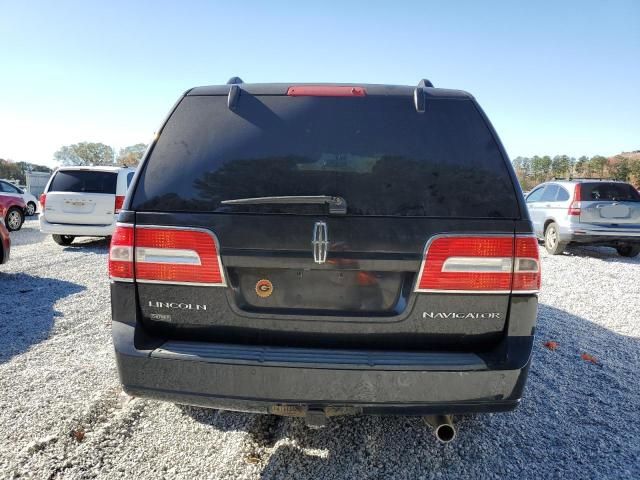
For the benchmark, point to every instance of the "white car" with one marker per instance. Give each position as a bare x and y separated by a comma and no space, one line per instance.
11,190
83,202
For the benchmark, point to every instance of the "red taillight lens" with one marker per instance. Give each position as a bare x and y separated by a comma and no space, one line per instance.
177,256
165,255
118,203
43,200
121,253
526,271
467,263
574,208
325,91
480,264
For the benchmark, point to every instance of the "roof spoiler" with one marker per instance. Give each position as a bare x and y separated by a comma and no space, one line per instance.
419,98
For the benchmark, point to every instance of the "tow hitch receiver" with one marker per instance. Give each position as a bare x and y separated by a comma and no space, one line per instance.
315,419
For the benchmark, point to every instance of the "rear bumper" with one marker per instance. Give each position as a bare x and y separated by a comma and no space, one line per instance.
77,230
259,379
589,233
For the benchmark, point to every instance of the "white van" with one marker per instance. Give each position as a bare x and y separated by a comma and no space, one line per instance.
83,202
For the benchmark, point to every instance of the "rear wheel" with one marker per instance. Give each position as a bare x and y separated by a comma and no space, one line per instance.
63,239
552,240
31,209
628,251
14,219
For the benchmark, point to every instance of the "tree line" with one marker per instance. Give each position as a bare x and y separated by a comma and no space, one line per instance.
89,153
17,171
537,169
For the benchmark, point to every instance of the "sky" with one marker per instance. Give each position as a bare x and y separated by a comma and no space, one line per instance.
553,77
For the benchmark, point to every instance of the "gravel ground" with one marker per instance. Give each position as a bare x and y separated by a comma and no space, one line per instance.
62,414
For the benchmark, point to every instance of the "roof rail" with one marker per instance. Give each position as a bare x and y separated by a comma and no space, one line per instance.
419,98
234,81
232,98
599,179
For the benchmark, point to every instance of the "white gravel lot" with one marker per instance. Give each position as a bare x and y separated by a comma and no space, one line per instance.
62,414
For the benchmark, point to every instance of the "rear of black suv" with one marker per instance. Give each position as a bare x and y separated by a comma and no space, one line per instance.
325,248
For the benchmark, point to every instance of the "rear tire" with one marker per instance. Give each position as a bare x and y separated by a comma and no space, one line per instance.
31,209
63,240
14,219
628,251
552,242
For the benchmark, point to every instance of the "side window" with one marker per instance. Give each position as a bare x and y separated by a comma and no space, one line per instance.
563,195
8,188
535,195
129,178
549,194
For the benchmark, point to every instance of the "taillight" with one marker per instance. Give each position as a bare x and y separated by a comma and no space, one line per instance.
121,253
574,208
43,200
325,91
526,269
118,203
480,264
166,255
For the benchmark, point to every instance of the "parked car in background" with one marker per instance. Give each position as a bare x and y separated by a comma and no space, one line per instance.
5,242
319,250
12,210
83,202
588,212
31,201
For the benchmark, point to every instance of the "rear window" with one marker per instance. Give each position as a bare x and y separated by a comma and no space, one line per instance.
621,192
377,153
84,181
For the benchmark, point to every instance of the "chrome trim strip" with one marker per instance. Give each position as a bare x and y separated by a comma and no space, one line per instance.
484,292
478,265
194,284
119,279
175,256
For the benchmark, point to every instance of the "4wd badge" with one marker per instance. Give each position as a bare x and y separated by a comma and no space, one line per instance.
264,288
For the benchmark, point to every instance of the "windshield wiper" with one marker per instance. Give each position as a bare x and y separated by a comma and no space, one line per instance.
337,205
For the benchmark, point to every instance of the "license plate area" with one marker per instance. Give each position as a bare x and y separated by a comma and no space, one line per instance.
71,205
320,292
614,211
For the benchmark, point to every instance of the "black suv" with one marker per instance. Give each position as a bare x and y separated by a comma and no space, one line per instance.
325,249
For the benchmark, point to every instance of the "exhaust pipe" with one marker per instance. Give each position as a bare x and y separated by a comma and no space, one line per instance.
442,427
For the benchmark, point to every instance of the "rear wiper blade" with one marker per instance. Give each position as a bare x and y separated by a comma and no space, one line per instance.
337,205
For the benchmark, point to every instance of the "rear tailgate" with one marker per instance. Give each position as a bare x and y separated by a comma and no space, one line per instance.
81,197
609,203
407,178
357,298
